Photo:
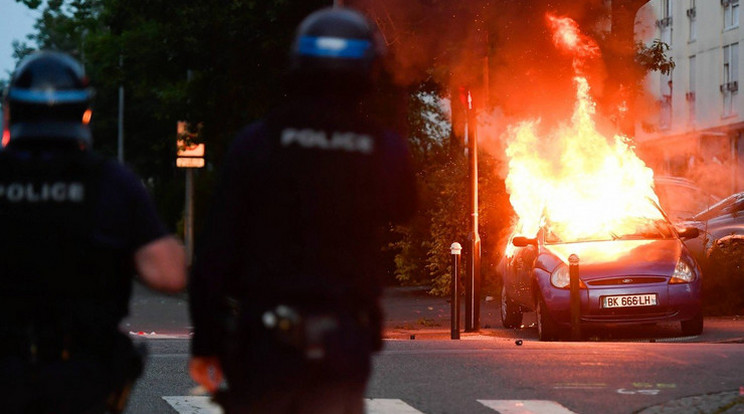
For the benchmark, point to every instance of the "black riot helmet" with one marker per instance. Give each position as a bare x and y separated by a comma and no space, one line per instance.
335,47
48,102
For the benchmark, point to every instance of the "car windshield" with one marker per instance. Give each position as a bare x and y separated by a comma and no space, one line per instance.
630,228
728,205
680,201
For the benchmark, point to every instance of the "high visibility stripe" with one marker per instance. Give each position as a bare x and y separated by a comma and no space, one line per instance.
526,406
49,96
333,47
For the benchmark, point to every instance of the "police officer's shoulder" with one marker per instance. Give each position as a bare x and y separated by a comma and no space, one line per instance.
394,141
251,141
118,175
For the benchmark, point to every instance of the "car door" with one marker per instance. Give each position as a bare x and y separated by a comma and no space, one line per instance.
524,263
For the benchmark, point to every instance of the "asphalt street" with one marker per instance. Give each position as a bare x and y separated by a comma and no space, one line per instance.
647,369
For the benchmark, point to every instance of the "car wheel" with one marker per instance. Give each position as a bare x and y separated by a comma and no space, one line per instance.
694,326
547,329
511,313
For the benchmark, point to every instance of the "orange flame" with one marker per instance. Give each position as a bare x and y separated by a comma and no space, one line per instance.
567,37
586,184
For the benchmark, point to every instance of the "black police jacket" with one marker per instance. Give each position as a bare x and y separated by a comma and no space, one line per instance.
71,222
299,215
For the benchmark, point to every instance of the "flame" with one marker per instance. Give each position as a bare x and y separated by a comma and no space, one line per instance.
567,37
585,184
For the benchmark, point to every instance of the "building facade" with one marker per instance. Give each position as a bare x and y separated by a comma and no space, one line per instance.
697,129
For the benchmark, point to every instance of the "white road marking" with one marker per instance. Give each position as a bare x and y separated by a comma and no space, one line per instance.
388,406
580,386
203,405
193,405
526,406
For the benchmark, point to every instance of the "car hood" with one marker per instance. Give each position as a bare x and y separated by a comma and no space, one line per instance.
601,259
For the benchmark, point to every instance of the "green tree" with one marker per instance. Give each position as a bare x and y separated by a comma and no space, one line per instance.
423,251
211,63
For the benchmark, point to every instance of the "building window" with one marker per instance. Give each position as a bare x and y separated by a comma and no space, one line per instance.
665,22
730,85
690,96
692,16
665,104
730,13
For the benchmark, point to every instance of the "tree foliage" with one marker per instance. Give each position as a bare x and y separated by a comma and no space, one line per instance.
443,218
653,57
210,63
217,65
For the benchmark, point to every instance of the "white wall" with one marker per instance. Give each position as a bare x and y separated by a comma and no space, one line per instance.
707,48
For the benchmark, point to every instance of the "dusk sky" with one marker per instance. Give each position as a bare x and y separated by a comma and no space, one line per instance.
17,22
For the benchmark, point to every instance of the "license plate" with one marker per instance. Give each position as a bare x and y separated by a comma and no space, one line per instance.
628,301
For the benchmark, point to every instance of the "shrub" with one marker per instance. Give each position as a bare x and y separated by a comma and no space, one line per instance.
723,280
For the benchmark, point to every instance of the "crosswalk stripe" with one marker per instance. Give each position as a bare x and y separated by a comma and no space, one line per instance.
526,406
204,405
193,405
388,406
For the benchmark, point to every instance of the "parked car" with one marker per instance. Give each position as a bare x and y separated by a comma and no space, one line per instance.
723,219
646,275
681,198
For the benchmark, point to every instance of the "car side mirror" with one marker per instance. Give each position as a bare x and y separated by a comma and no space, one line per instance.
689,233
520,241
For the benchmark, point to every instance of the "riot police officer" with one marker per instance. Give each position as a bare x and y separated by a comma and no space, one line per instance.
75,229
286,285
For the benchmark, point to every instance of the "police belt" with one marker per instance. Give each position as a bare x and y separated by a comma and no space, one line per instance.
46,345
305,329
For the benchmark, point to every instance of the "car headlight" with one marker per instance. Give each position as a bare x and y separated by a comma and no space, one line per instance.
683,273
560,277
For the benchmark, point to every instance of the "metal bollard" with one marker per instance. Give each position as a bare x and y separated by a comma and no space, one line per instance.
573,273
455,249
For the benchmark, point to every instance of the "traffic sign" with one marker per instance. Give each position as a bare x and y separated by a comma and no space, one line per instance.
190,162
189,155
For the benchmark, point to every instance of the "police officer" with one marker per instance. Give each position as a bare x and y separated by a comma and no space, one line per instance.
286,285
75,228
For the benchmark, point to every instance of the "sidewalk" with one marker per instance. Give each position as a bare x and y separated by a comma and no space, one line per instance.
412,311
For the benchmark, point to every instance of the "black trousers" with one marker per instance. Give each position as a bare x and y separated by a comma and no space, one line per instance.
267,373
80,383
314,397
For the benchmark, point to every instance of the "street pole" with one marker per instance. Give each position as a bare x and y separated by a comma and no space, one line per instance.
120,135
573,273
188,225
455,249
472,308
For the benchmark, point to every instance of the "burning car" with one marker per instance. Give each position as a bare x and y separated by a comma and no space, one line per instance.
681,198
636,272
581,191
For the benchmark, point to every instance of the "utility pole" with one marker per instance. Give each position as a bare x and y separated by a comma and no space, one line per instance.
472,306
188,156
120,135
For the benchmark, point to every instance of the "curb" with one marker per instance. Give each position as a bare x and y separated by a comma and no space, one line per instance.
729,402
